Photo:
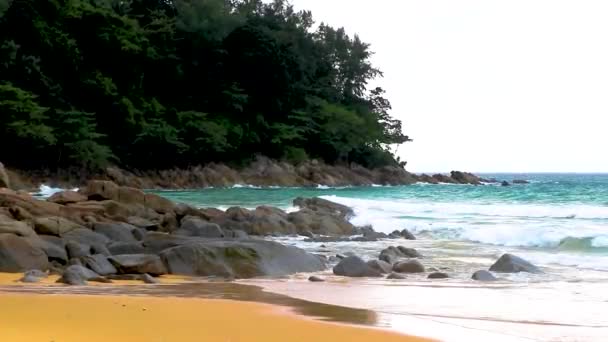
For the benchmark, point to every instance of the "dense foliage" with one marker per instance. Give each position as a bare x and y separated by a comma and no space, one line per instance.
161,83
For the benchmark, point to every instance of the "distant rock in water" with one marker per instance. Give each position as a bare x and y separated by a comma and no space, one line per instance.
509,263
505,183
483,275
520,181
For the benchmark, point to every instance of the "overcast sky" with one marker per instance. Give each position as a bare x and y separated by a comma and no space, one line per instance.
518,85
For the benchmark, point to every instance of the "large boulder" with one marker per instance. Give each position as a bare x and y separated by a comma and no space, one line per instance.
67,197
122,232
138,264
320,223
392,254
79,275
159,203
261,221
238,258
57,226
77,250
408,266
99,263
18,254
194,226
9,226
86,237
324,206
509,263
353,266
98,190
465,178
4,181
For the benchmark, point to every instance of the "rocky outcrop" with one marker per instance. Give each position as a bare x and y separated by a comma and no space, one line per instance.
520,181
67,197
509,263
392,254
353,266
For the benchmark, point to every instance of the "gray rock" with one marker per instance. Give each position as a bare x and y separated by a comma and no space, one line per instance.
393,254
54,226
138,263
238,259
438,275
324,206
406,234
18,254
194,226
380,266
505,183
99,264
118,248
33,276
9,226
394,275
100,249
483,275
77,250
148,279
77,275
86,237
354,266
520,181
54,248
509,263
122,232
75,261
408,266
315,279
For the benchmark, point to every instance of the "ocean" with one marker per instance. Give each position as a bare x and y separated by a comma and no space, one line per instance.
557,221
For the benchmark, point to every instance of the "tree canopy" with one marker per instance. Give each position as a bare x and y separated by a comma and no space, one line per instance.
162,83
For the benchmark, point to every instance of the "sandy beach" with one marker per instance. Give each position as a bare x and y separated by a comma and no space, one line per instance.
45,312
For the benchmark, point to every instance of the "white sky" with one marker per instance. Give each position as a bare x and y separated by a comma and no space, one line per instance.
513,85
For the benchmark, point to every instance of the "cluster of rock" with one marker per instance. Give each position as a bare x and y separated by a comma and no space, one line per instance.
108,231
397,262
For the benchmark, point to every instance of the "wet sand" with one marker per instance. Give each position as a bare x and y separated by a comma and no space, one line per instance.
212,311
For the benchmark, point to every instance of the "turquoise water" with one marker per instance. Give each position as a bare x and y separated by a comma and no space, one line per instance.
565,213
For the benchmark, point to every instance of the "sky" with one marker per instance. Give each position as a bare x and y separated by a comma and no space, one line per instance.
489,86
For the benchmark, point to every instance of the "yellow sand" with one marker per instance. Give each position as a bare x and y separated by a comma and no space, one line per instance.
77,318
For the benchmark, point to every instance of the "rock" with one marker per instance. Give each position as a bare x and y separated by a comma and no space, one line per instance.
77,250
130,195
194,226
86,237
465,178
99,264
316,279
57,226
374,235
78,275
354,266
408,266
505,183
4,181
67,197
438,275
18,254
392,254
98,190
238,259
122,232
483,275
394,275
143,223
9,226
159,203
54,248
100,249
407,235
138,263
33,276
520,181
509,263
380,266
75,261
118,248
320,223
307,234
317,204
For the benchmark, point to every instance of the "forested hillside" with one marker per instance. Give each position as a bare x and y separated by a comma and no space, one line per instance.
157,84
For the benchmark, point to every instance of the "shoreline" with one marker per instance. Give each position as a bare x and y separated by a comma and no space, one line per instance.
128,312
